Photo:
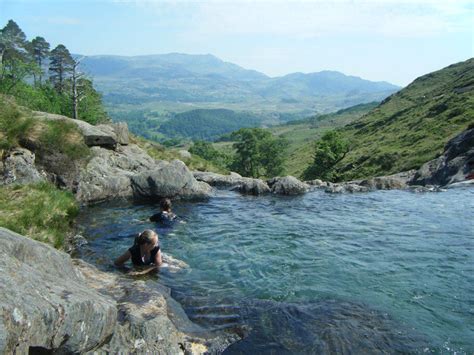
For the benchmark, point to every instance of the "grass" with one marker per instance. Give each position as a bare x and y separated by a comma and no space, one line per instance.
18,126
14,124
39,211
412,126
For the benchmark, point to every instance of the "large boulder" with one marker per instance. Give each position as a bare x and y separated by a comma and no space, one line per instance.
19,167
108,174
455,165
45,304
287,185
169,179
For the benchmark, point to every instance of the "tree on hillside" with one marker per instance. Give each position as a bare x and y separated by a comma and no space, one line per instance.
40,51
89,104
258,153
329,151
60,66
13,44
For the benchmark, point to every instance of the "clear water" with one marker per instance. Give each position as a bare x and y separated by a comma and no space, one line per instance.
389,271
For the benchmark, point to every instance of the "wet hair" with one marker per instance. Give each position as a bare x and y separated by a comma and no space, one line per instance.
146,237
165,204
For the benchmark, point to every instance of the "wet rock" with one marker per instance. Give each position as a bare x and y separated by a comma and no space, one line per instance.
45,304
455,165
287,185
19,167
385,183
234,181
317,183
169,179
149,321
251,186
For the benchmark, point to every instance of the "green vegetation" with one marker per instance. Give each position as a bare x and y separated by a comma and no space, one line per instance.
257,153
329,151
412,126
17,126
66,91
300,136
206,151
159,152
38,211
207,124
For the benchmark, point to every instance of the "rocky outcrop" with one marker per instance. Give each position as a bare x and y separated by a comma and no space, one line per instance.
287,185
104,135
108,174
455,165
19,167
169,179
251,186
389,182
44,302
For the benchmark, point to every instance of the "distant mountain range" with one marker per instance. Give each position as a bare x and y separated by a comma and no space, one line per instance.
180,82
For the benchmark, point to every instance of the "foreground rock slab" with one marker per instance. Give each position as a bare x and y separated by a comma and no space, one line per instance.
44,302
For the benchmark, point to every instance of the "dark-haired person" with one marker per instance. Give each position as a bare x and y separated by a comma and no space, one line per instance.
144,252
165,216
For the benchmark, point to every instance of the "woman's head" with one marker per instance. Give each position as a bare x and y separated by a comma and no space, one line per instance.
147,238
165,205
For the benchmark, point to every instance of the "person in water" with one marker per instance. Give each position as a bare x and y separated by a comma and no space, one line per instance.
165,216
144,252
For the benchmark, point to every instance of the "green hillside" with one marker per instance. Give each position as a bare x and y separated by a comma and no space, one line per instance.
302,134
207,124
411,126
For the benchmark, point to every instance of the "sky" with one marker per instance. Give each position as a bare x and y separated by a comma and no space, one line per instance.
394,41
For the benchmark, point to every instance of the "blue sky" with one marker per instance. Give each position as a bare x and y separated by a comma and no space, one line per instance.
395,41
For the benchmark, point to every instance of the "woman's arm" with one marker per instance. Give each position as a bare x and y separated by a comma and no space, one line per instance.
123,258
158,260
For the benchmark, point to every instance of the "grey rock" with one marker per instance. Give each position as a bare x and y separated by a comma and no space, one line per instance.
396,181
234,181
184,154
121,131
455,165
108,174
169,179
317,183
45,304
251,186
19,167
287,185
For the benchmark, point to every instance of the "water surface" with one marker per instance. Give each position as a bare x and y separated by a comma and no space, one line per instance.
383,271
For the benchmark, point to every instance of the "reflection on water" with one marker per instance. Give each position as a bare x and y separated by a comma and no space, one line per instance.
386,271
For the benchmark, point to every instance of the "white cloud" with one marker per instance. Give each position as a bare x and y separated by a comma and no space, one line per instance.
303,19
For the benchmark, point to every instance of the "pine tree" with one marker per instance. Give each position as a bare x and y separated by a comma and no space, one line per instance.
61,64
40,50
13,43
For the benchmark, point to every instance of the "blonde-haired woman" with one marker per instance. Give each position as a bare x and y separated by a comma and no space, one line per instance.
144,252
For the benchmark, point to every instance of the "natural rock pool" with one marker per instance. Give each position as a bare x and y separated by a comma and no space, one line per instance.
388,271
